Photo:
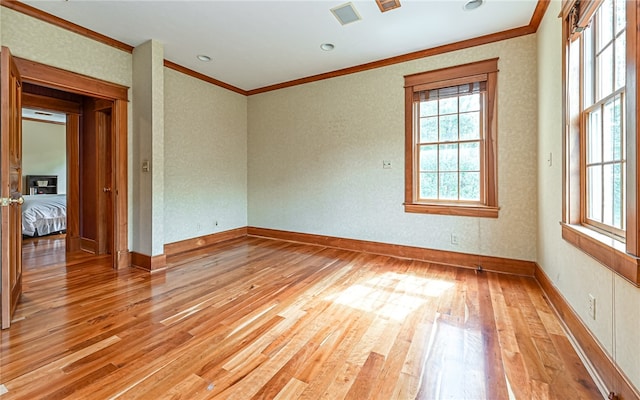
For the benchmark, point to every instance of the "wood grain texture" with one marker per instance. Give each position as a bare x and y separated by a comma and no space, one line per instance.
148,263
174,248
495,264
263,319
611,375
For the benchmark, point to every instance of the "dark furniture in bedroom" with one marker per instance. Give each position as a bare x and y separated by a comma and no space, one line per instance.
42,184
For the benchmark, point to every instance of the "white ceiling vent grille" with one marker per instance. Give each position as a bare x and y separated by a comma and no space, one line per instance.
346,13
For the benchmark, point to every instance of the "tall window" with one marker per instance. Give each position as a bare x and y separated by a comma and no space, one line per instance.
450,140
603,118
601,168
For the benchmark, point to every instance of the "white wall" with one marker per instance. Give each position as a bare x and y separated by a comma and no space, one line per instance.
44,151
316,152
205,158
574,273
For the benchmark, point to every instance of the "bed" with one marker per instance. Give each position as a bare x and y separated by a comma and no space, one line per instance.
44,214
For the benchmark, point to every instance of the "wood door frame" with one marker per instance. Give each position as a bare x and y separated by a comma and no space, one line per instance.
73,112
52,77
11,166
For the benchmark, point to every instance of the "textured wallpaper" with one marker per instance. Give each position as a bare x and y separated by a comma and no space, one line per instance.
38,41
205,142
574,273
316,153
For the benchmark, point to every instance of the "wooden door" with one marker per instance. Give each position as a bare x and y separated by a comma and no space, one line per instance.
105,180
11,181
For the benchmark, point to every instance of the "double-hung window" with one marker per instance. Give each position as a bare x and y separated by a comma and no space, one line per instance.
450,145
599,212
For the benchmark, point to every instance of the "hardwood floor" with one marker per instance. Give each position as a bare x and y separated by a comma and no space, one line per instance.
263,319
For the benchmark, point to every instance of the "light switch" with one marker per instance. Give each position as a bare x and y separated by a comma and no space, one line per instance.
145,166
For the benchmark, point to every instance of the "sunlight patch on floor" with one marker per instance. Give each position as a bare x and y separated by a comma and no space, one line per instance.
391,295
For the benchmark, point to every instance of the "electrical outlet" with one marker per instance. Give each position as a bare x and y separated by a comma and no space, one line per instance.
454,239
386,164
592,306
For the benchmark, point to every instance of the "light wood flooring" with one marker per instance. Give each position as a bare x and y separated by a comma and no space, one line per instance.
255,318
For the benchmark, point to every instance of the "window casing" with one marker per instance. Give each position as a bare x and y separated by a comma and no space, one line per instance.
450,140
600,167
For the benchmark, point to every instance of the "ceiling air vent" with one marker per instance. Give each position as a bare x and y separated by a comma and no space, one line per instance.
346,13
386,5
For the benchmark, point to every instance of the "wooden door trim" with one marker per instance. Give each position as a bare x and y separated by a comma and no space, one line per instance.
55,78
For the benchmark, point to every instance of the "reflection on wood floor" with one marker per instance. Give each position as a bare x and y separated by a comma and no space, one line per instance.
261,319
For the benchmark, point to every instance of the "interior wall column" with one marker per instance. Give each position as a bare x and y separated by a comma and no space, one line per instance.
148,156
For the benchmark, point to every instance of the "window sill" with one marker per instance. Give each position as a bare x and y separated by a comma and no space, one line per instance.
461,210
608,251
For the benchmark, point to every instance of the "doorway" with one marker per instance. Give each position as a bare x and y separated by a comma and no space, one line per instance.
98,184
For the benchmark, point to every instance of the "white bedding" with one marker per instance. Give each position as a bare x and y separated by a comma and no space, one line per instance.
43,214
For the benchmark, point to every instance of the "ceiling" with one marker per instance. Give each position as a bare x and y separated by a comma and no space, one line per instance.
254,44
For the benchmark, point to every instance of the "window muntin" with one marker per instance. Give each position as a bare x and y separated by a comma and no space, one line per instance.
603,135
450,140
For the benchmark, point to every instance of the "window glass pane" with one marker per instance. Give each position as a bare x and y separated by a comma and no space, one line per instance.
587,38
449,128
594,193
470,186
428,108
617,141
449,105
594,138
620,47
607,132
470,156
429,158
605,72
470,102
605,24
621,18
607,194
449,186
470,126
428,185
428,130
618,196
612,131
448,157
612,195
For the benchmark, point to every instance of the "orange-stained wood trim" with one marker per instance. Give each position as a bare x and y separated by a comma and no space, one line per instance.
495,264
465,44
458,210
44,121
538,14
458,74
88,245
148,263
614,379
198,75
40,102
171,249
73,242
64,24
43,75
606,251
